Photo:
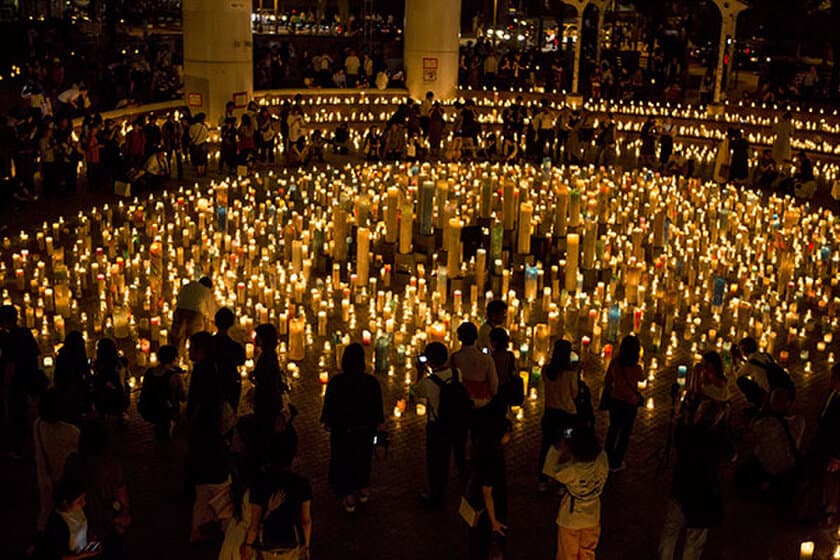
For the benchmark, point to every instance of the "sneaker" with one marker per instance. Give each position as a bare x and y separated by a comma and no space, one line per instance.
542,487
619,468
364,497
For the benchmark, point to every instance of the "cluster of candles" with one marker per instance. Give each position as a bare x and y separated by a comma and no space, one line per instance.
396,256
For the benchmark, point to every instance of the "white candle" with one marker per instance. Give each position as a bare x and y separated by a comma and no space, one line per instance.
296,346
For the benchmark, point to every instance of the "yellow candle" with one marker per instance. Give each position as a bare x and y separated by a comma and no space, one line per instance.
572,256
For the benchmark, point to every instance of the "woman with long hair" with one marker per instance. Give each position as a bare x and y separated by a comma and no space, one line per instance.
110,388
72,377
620,384
560,386
352,413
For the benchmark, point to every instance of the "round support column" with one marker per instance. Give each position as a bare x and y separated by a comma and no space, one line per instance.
432,32
218,55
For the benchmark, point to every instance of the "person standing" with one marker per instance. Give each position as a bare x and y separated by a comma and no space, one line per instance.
22,382
442,437
352,65
487,487
269,382
229,356
620,383
352,413
478,374
199,136
280,507
496,317
739,161
781,144
111,393
193,309
207,466
162,393
72,377
55,440
560,383
701,443
578,463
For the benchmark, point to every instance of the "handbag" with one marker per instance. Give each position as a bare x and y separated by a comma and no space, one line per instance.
466,509
222,503
468,513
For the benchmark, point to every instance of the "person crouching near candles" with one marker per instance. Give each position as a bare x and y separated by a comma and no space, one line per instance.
622,399
353,415
496,317
576,461
702,445
162,393
478,374
193,309
560,381
448,415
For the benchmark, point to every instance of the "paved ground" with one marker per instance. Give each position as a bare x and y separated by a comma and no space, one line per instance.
395,524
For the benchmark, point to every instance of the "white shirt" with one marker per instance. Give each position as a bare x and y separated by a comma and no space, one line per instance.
196,297
580,507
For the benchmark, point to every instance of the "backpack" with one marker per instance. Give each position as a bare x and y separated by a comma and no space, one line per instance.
455,406
155,402
777,376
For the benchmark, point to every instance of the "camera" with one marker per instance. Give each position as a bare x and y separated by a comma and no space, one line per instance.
568,433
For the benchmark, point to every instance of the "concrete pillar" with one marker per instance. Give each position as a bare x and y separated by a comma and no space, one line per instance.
432,32
602,12
218,55
729,10
580,6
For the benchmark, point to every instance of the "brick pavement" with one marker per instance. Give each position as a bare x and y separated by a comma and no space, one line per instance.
396,525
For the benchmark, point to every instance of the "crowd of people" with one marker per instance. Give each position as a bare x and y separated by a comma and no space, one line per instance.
242,442
41,154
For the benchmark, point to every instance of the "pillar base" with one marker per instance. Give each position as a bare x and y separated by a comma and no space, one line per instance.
574,100
715,109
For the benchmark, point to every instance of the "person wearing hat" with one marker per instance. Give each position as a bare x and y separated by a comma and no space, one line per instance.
440,442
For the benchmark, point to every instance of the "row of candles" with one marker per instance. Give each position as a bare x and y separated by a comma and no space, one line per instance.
399,255
811,130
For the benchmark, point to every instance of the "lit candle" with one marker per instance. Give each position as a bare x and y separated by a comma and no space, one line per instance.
526,210
406,220
806,550
453,252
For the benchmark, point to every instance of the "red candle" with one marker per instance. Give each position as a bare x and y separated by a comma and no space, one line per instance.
608,352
